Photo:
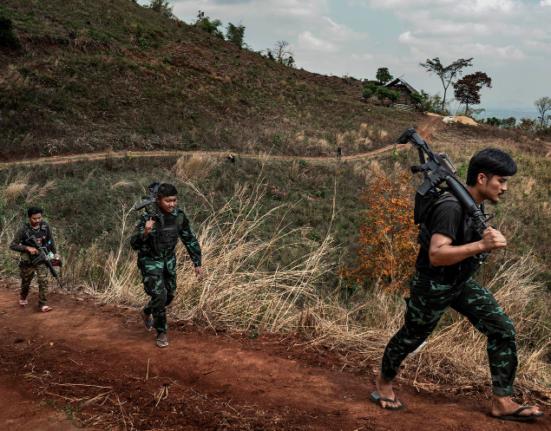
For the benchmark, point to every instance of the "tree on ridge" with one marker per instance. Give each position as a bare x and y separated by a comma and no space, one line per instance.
383,75
446,73
236,34
543,104
162,7
467,89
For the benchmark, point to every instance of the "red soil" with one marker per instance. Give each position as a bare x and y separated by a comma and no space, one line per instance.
204,381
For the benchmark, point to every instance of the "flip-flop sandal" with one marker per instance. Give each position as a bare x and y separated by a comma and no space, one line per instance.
378,400
162,343
23,303
148,325
46,308
516,417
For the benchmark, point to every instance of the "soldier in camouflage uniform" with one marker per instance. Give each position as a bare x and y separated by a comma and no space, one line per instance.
155,237
40,229
446,240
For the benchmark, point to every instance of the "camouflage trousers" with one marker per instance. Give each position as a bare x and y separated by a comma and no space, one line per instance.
427,303
159,281
27,274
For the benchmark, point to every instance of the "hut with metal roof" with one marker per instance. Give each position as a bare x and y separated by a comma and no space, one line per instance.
402,87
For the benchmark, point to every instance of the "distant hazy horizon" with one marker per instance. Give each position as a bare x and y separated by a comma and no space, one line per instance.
504,112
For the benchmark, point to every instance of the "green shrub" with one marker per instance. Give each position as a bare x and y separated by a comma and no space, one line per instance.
369,91
416,98
236,34
394,96
383,93
162,7
211,27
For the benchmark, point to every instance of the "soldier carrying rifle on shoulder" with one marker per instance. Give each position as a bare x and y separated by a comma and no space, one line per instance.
455,240
155,237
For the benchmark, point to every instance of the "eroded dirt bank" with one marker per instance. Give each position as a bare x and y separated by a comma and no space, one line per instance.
85,353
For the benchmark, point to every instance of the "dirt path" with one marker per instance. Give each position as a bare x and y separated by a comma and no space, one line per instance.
425,130
59,160
99,356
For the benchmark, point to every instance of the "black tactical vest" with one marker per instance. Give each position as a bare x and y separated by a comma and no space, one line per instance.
465,235
41,235
167,232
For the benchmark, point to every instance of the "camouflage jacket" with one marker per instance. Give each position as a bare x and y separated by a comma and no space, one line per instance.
145,250
19,239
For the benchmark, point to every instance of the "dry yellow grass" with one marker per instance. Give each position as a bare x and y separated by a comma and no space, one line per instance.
15,188
123,184
375,168
13,191
37,193
194,168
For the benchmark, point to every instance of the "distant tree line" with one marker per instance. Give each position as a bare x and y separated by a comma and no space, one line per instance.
541,125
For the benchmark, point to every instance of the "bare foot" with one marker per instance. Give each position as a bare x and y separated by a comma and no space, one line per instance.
384,389
503,406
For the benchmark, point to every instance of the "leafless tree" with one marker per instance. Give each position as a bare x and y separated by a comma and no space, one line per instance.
283,50
282,53
543,105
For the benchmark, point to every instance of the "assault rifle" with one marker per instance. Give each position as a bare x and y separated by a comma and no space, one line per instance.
42,257
150,199
439,173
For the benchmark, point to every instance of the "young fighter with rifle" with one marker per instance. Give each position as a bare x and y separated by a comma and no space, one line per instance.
155,237
36,244
455,240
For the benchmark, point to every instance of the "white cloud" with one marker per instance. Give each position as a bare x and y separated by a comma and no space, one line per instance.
340,32
545,3
305,10
537,45
487,7
448,50
309,42
465,8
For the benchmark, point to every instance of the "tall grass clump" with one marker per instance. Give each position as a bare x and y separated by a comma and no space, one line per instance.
194,168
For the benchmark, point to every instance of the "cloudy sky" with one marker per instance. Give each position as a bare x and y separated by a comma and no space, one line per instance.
510,40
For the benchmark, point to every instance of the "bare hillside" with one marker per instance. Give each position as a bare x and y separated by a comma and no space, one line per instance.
89,75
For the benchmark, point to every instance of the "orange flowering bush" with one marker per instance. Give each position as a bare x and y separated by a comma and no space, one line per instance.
387,234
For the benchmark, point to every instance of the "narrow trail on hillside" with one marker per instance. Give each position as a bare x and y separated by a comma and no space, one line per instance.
425,130
60,160
102,359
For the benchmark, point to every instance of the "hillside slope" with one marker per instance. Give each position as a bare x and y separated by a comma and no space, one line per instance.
89,75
